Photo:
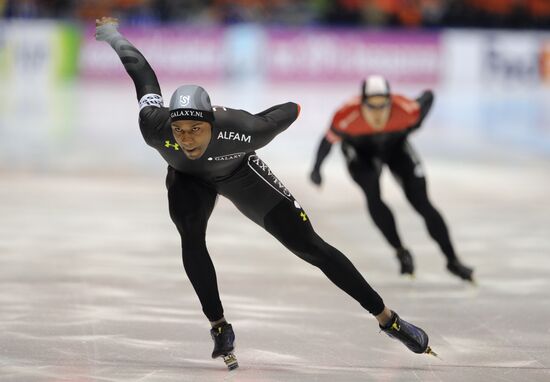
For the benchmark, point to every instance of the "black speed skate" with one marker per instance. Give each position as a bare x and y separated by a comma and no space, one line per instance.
458,269
406,261
414,338
224,339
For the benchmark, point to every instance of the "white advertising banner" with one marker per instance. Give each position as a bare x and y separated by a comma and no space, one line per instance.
496,58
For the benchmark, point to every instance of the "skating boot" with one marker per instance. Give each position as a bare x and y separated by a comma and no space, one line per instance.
458,269
409,335
406,261
224,339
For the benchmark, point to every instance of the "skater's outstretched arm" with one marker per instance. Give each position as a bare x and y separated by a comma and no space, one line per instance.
267,124
153,114
146,83
425,102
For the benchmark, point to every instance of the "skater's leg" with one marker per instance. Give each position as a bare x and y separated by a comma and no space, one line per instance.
408,170
191,203
268,203
295,232
366,173
274,208
292,228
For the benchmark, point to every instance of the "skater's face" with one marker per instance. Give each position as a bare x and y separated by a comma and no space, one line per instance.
192,136
376,110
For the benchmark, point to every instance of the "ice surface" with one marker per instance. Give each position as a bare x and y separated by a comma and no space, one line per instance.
92,287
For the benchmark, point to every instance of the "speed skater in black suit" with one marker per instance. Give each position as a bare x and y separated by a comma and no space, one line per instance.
210,151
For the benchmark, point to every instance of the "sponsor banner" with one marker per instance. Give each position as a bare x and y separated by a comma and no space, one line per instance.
38,51
181,53
515,60
350,55
66,50
511,58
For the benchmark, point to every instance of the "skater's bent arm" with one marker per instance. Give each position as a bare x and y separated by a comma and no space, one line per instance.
269,123
322,152
425,102
146,83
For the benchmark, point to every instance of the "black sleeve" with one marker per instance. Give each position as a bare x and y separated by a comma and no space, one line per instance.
151,122
137,67
425,100
153,115
324,149
269,123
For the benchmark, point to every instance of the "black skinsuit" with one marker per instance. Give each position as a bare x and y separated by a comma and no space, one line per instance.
230,167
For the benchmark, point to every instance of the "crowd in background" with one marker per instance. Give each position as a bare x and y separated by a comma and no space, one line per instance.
531,14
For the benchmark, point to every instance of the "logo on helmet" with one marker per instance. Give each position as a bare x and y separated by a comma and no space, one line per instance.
184,100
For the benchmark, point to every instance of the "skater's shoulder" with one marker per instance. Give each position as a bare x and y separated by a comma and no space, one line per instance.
153,117
350,104
225,115
233,119
224,112
404,104
154,123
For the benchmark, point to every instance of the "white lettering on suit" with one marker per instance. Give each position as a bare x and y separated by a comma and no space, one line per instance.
233,136
271,179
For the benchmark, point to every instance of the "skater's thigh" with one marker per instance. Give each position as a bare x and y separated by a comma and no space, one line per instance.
190,202
406,166
290,224
366,173
255,190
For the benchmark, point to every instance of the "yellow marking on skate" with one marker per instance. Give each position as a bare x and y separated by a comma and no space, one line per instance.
303,215
230,361
396,326
431,352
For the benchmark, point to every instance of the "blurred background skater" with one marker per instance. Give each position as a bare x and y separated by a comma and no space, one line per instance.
211,151
373,129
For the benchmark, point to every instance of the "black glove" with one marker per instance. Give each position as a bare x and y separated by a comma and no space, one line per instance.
315,177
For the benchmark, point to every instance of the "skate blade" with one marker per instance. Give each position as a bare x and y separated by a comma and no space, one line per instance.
230,361
431,352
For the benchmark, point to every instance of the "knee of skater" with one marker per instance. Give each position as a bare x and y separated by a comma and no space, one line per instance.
313,259
193,242
179,220
375,204
316,254
191,234
191,245
420,204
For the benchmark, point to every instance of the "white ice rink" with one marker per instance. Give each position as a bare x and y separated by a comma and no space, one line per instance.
92,287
